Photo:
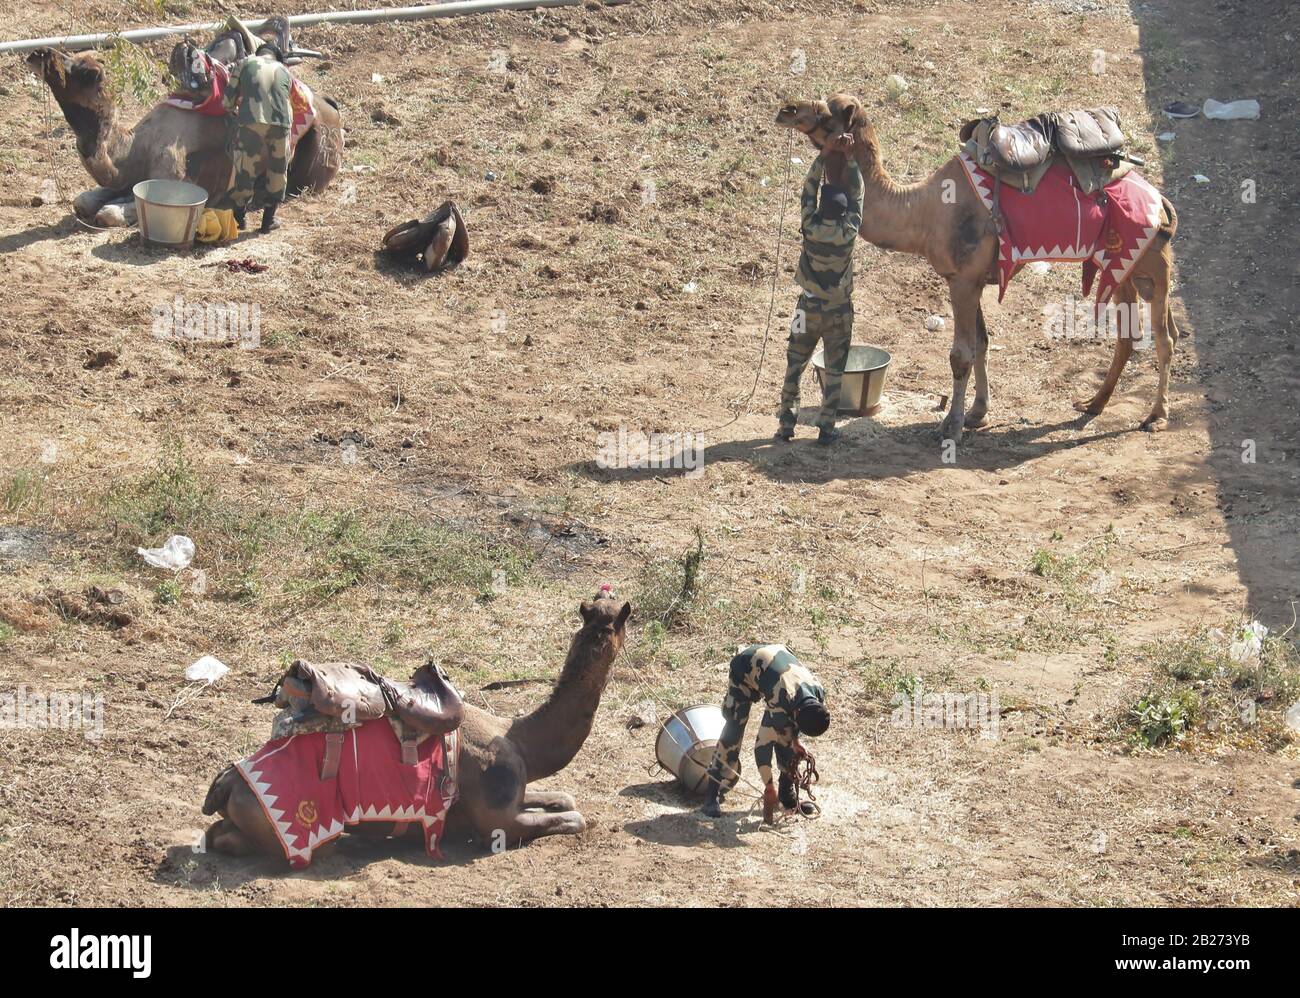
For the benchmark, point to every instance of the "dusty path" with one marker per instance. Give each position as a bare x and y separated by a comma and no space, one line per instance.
377,394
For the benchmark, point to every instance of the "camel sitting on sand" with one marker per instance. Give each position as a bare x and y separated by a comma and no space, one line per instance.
960,241
168,143
498,757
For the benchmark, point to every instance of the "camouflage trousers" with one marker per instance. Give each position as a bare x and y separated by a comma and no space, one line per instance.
776,735
834,328
261,167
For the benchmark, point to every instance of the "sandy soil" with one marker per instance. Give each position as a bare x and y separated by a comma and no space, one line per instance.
607,161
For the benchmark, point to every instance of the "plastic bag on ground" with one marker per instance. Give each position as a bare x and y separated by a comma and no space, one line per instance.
175,554
208,669
1233,110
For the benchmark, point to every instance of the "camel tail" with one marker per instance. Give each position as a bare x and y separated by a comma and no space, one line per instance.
219,793
1169,228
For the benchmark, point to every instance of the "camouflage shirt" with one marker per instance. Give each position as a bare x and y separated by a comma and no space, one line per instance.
826,265
772,674
260,86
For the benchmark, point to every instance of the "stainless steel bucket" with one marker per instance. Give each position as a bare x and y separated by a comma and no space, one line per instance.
169,211
686,742
863,381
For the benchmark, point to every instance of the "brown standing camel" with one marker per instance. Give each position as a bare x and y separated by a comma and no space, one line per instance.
498,757
960,241
168,143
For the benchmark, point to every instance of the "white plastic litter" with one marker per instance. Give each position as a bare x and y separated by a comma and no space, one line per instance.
206,670
1292,716
1233,110
895,84
934,323
1200,178
1165,137
376,78
690,287
175,554
1040,267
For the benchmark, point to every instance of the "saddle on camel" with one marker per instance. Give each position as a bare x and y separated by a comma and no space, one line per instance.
351,746
353,752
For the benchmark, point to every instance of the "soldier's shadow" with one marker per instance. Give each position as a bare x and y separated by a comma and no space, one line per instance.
687,825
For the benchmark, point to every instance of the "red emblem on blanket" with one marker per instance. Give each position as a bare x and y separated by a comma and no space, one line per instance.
1059,223
372,785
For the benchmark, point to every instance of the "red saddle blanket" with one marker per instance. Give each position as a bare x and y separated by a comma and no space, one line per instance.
372,784
1059,223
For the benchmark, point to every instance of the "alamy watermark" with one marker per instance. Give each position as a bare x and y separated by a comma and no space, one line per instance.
1079,320
950,711
208,322
668,451
82,712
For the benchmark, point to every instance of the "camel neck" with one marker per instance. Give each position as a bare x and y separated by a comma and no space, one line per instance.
893,215
551,735
96,132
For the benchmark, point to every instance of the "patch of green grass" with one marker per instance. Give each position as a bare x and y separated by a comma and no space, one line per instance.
24,492
168,593
346,549
1242,693
672,590
1163,716
7,631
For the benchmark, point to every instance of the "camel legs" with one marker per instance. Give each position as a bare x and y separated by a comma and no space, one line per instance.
548,800
978,414
1165,333
1125,296
965,351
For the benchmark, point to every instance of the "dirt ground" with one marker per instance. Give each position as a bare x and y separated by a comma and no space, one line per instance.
407,465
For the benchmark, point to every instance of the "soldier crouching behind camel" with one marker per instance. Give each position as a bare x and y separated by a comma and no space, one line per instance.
795,704
260,118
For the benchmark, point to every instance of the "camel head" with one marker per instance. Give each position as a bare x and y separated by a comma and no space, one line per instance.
823,121
604,620
77,79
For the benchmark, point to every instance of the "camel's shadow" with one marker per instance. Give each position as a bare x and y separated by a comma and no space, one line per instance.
15,241
872,451
208,871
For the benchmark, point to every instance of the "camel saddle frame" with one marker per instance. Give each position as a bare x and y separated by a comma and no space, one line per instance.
1091,141
334,697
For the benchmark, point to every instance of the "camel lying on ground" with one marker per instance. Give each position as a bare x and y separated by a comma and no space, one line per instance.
168,143
498,757
960,241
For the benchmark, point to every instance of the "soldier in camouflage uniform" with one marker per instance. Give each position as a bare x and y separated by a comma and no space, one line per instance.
825,309
259,120
795,704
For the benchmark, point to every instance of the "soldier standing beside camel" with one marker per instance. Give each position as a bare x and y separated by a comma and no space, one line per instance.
258,99
825,309
796,704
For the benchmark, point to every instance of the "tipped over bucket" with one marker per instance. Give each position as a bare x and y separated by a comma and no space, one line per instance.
686,742
169,211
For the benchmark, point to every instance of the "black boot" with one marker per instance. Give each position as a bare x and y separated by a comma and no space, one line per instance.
786,792
827,436
241,218
268,218
712,804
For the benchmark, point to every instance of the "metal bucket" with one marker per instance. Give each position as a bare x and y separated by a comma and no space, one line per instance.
686,742
864,379
169,211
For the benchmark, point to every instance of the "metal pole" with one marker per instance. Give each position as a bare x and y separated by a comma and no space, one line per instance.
422,12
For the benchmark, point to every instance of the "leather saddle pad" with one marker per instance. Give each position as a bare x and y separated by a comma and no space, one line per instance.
342,695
